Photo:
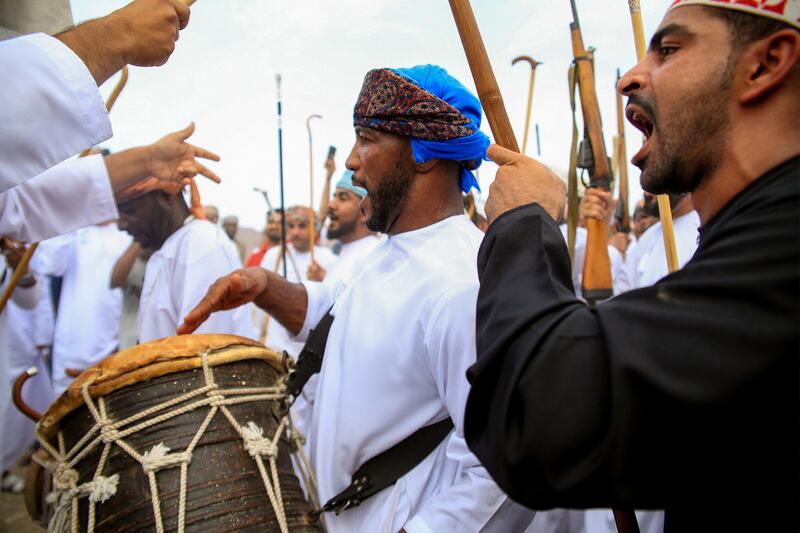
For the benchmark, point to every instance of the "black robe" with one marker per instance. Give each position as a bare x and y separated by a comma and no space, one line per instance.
681,396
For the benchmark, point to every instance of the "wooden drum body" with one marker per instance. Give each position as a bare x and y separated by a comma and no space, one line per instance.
181,434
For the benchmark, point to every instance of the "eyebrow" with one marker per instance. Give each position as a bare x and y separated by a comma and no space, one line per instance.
670,29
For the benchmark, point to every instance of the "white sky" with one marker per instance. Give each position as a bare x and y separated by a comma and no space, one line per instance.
222,76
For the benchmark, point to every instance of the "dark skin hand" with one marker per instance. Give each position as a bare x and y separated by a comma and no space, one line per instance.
286,302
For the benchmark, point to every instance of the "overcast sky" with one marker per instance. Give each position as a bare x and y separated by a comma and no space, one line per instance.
222,76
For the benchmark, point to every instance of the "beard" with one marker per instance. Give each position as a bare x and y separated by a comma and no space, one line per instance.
345,228
389,197
691,139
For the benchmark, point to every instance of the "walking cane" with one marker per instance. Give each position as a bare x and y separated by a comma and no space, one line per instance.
312,234
533,63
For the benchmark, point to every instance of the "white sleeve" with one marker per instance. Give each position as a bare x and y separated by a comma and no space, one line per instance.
27,298
473,501
51,108
71,195
43,319
320,298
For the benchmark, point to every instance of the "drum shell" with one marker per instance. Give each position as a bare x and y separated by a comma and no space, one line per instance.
225,491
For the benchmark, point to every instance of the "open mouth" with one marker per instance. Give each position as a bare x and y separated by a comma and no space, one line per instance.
640,121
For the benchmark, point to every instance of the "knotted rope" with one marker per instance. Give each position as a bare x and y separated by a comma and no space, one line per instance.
107,432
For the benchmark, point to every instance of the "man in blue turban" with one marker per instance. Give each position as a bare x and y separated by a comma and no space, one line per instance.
403,330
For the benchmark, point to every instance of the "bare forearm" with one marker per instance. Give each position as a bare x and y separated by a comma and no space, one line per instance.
98,44
123,266
286,302
128,167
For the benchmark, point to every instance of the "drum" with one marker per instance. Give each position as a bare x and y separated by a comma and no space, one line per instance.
186,433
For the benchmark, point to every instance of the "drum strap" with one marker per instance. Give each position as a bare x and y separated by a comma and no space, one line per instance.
387,467
384,469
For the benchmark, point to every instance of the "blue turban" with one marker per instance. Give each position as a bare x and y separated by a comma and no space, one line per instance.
433,108
346,182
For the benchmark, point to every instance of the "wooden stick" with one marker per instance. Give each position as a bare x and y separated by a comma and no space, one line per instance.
622,161
312,229
483,75
664,208
533,63
20,271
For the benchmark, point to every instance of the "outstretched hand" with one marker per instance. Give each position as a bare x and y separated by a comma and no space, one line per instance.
172,159
236,289
521,180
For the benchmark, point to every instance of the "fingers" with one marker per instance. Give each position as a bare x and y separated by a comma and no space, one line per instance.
186,132
212,302
205,154
183,11
205,171
501,156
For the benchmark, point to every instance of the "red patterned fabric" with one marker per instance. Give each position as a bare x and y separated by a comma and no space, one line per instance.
787,11
389,102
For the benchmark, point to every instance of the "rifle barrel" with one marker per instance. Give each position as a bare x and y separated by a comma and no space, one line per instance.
574,13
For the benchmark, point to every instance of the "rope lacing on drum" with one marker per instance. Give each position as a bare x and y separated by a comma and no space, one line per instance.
107,433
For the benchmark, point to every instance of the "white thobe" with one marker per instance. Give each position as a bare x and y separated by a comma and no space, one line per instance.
71,195
278,339
89,310
349,258
27,299
178,275
27,329
396,361
51,108
648,263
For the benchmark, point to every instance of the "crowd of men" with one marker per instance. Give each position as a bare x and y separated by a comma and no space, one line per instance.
677,397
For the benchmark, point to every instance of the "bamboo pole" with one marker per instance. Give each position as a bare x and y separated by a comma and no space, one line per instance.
664,209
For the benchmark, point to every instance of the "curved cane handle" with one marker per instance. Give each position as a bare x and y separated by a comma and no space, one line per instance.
16,394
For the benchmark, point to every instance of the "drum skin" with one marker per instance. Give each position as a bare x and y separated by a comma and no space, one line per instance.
225,491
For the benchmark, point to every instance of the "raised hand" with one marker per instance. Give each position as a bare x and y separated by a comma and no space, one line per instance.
316,272
597,204
173,159
231,291
521,180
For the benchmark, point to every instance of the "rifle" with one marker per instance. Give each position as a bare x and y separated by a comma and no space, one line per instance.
597,285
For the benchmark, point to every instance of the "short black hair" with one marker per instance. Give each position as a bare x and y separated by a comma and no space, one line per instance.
746,28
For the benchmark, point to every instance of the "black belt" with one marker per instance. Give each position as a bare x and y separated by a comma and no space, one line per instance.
384,469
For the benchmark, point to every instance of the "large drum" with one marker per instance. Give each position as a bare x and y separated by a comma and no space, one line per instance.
185,433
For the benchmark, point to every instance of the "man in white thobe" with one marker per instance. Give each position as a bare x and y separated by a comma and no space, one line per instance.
348,226
87,323
25,295
188,254
648,262
298,263
29,337
51,106
404,327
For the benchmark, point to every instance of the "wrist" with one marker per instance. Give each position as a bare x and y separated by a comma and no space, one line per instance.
98,44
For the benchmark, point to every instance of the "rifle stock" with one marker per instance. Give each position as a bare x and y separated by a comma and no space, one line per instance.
597,283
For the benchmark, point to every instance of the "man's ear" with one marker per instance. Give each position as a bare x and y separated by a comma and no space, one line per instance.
769,62
424,168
